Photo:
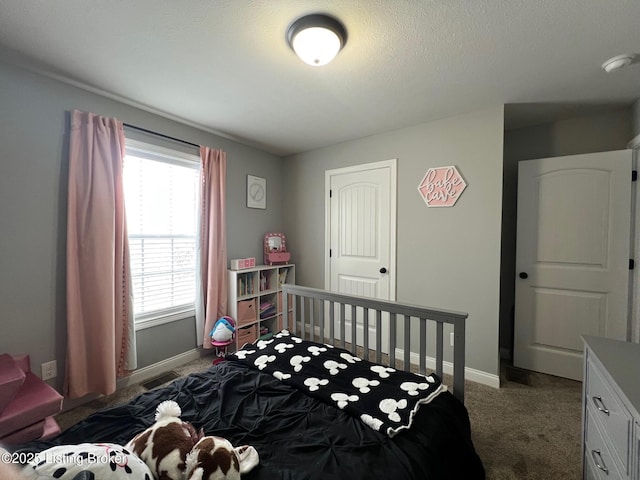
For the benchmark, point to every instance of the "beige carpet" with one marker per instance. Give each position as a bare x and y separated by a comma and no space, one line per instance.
521,432
527,432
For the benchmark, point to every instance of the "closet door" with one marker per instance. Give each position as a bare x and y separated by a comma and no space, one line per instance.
361,236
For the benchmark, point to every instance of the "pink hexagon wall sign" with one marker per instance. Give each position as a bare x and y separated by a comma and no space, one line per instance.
442,186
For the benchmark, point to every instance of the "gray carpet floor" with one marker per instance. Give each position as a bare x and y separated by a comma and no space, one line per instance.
520,431
527,431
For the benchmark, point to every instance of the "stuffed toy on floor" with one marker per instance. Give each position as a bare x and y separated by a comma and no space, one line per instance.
173,450
214,458
86,461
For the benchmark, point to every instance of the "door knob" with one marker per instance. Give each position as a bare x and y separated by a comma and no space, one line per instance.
523,275
383,270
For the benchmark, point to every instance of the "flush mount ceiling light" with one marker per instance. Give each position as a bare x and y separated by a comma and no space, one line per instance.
618,62
316,38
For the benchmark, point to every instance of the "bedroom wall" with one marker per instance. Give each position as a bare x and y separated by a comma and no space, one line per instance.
446,257
600,132
33,168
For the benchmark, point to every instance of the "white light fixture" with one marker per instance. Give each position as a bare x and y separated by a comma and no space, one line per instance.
618,62
316,38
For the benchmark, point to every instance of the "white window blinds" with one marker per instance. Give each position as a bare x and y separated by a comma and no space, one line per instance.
161,194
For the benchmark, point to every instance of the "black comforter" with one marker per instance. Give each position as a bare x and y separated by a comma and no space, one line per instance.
297,436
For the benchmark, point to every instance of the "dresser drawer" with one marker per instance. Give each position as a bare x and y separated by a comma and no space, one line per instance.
598,459
636,451
589,470
616,421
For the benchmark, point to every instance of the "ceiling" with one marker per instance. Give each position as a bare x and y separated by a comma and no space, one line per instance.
224,65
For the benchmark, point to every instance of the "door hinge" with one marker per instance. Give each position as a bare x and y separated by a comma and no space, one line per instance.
632,264
634,175
330,193
329,253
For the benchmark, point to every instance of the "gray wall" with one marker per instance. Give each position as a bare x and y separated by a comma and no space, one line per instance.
585,134
447,257
33,170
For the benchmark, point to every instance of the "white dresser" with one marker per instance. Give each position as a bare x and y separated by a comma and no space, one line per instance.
611,410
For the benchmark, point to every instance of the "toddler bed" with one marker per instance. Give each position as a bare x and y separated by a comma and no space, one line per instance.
314,410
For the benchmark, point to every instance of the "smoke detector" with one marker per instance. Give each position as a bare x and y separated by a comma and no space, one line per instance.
619,61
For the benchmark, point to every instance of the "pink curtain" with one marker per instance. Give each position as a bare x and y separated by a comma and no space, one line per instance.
213,242
99,302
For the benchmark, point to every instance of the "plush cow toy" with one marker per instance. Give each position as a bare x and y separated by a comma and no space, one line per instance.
214,458
173,450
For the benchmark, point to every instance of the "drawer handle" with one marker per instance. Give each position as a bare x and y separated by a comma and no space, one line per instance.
597,401
602,467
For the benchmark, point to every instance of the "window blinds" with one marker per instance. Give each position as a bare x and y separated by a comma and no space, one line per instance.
161,205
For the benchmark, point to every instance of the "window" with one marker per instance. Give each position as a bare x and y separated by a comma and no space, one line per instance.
161,195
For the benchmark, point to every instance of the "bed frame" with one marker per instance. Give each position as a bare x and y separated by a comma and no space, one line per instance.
309,305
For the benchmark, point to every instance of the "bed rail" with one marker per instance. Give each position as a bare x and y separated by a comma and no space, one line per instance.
310,306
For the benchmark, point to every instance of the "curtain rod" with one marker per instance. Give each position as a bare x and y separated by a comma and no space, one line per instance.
151,132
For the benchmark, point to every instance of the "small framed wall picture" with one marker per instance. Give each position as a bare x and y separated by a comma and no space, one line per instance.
256,192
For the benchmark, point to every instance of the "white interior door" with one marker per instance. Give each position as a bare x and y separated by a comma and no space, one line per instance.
572,258
361,220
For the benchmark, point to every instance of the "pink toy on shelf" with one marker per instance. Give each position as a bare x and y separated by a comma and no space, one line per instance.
275,249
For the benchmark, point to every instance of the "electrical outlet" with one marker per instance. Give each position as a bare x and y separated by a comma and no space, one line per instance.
451,338
49,370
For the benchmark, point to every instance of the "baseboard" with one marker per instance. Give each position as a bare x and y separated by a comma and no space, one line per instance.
145,373
471,374
140,375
